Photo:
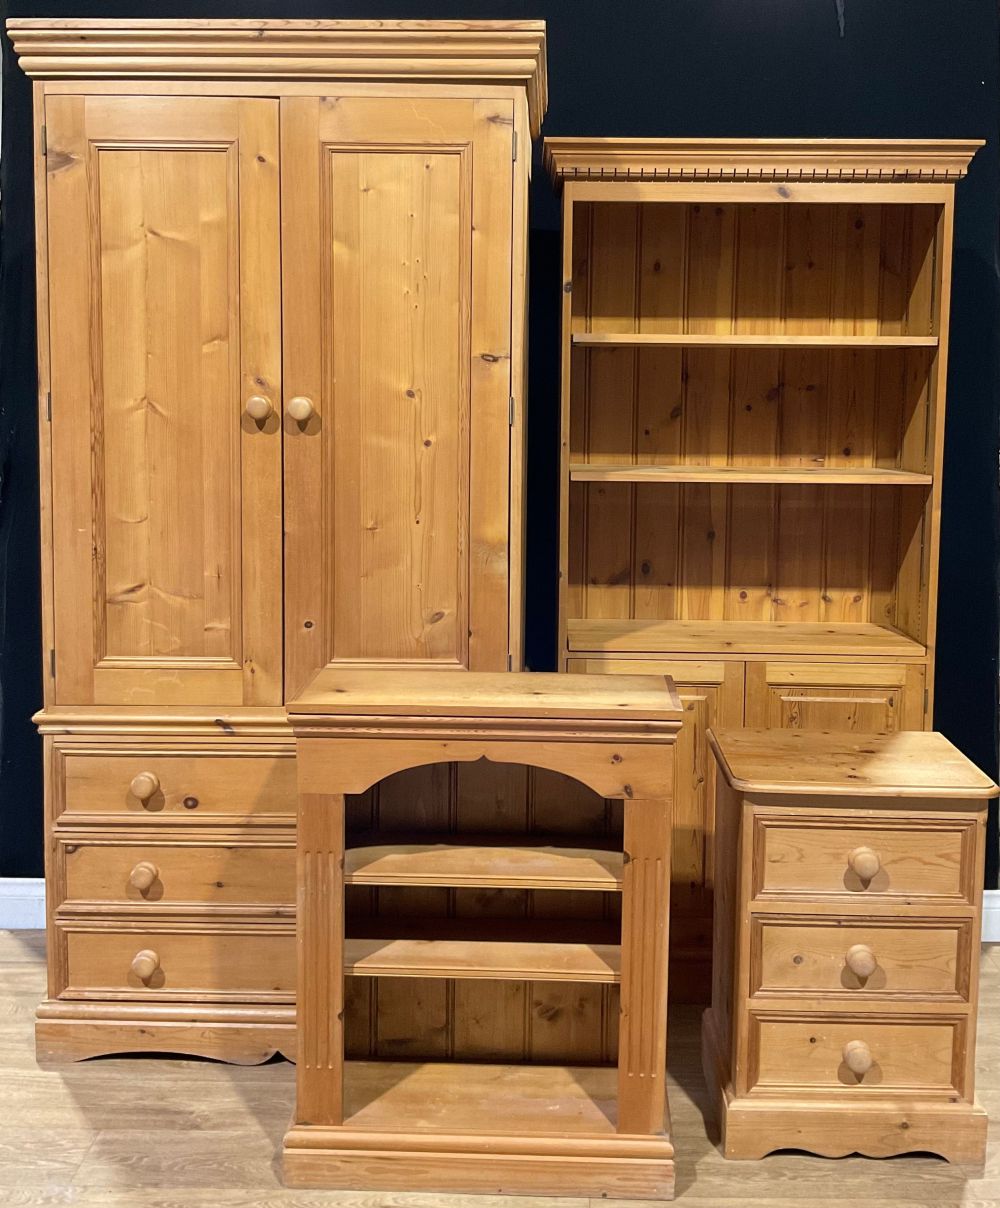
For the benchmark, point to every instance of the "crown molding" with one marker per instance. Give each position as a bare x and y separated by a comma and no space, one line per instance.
739,159
457,52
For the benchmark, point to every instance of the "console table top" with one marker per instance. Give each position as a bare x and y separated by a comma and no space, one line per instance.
412,693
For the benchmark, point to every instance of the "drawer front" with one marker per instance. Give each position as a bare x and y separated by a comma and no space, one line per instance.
933,860
151,786
861,959
918,1054
145,963
148,874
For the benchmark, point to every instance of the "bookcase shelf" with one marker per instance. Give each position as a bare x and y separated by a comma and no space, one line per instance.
748,474
596,339
862,640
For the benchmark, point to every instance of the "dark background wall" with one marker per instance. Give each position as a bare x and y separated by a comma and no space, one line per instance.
817,68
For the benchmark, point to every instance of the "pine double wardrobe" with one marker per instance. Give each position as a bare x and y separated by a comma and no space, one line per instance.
282,326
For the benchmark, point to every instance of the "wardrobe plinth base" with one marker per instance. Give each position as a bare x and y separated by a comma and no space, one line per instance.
72,1031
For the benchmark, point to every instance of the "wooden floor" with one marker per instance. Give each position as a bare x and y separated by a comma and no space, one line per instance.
164,1133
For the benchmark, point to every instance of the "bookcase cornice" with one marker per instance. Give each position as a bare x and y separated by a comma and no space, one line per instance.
722,159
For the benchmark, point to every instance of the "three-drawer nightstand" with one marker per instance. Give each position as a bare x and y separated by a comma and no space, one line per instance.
847,923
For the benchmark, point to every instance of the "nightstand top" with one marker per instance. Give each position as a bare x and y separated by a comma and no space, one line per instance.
907,764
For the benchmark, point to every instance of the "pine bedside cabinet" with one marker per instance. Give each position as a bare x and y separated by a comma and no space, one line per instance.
482,1118
848,916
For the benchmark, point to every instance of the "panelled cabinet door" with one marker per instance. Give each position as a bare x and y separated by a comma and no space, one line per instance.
863,697
397,336
164,307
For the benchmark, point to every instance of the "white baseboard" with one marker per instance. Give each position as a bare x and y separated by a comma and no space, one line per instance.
991,916
22,903
22,907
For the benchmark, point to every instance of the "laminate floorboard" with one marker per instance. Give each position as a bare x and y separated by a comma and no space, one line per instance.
170,1133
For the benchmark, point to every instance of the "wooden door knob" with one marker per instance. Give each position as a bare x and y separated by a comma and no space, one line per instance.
145,786
865,862
300,408
143,875
861,960
858,1057
258,407
145,964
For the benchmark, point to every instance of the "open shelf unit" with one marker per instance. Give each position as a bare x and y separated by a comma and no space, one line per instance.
754,360
472,934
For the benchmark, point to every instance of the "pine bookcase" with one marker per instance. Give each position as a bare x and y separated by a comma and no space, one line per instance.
754,361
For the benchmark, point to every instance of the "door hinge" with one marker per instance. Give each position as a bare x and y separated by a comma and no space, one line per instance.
45,140
927,701
513,148
510,662
48,405
510,411
52,663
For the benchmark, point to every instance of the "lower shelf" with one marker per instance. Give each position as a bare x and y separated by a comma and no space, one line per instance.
446,1127
455,1096
483,959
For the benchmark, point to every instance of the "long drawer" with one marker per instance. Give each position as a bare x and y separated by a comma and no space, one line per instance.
163,785
852,1055
820,857
154,873
862,959
211,963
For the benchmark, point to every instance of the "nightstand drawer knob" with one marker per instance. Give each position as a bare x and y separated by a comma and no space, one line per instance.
861,960
865,862
858,1057
144,875
145,964
145,786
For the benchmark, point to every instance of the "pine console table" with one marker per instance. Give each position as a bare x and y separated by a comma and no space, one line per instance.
460,1125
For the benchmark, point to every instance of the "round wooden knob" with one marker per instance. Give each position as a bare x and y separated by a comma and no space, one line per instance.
258,407
145,964
143,875
861,960
865,862
145,786
858,1057
300,408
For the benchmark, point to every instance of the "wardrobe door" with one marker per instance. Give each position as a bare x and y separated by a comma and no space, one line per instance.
396,261
164,312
